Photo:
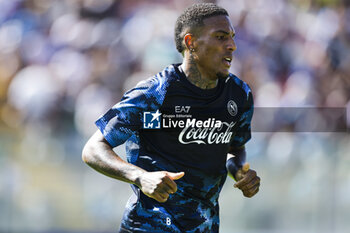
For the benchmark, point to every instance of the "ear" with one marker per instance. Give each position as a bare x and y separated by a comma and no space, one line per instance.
189,41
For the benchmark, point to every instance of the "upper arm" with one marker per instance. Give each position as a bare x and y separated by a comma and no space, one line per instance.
243,132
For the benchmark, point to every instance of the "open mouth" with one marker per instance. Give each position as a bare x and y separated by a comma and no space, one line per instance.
227,61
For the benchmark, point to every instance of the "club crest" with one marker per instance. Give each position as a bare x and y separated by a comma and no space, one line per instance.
232,108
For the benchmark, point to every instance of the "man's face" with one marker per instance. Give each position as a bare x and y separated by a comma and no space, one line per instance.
214,46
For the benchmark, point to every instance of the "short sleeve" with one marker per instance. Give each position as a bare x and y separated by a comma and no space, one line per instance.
243,132
124,119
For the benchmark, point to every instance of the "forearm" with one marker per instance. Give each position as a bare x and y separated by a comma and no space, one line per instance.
235,160
99,155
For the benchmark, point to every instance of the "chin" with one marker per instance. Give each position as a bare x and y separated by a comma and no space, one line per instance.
222,74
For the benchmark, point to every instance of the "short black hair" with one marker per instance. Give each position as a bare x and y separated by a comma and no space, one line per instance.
193,16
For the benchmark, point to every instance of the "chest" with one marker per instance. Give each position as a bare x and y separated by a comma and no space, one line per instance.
202,119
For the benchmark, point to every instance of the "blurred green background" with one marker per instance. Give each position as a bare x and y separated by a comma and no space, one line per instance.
63,63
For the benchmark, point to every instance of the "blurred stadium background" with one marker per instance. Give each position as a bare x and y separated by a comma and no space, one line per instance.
63,63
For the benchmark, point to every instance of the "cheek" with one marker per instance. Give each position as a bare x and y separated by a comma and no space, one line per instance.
210,54
207,47
211,49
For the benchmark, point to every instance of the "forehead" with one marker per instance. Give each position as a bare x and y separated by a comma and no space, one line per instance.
218,23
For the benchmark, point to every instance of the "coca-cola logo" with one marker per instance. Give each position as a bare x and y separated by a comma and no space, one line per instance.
204,135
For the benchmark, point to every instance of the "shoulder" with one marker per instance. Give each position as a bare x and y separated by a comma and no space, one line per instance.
151,91
157,83
235,82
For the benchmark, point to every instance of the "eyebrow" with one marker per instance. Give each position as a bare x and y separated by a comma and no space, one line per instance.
224,32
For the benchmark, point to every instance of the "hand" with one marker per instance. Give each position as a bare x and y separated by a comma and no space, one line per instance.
158,185
247,181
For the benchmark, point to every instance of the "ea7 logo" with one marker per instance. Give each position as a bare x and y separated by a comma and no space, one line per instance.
182,109
151,120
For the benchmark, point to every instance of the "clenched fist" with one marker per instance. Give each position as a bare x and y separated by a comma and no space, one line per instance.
158,185
247,181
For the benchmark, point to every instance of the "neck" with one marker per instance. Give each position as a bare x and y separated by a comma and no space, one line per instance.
194,75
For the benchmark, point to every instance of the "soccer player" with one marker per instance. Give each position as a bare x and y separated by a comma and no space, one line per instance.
183,129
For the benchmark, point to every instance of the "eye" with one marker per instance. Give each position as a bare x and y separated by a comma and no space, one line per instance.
220,37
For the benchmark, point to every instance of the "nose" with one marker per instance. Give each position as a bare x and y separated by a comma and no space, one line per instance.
231,45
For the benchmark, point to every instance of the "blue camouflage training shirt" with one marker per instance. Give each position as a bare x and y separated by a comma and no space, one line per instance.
169,124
